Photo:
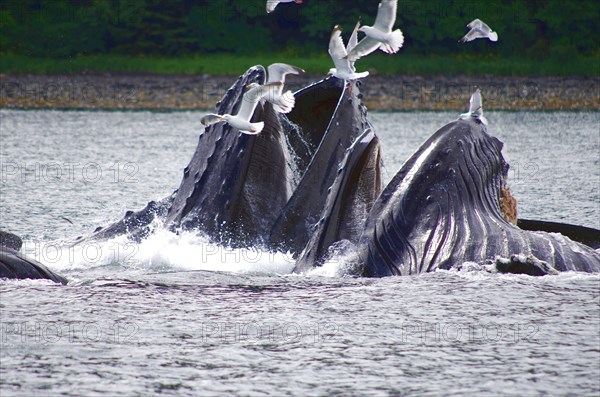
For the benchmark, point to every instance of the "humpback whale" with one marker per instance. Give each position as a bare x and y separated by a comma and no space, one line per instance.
450,204
312,179
268,189
14,265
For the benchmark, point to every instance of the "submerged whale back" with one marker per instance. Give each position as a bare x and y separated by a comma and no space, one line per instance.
447,205
14,265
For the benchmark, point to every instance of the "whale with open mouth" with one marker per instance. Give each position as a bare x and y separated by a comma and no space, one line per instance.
268,189
312,178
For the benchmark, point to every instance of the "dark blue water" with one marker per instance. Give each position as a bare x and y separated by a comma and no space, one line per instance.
177,316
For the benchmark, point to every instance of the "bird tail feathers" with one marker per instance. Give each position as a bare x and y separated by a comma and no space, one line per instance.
394,43
286,104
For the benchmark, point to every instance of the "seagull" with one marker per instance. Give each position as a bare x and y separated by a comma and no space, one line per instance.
380,35
241,120
353,39
475,108
271,4
282,102
479,30
344,68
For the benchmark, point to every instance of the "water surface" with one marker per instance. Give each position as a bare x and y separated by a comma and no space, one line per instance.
177,316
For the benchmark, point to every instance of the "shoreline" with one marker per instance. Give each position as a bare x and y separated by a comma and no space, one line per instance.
123,91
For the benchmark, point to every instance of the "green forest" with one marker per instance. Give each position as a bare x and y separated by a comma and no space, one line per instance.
532,32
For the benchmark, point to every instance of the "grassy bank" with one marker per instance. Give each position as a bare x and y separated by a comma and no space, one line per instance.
235,65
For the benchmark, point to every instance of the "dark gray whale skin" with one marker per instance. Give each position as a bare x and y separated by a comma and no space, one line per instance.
331,115
443,209
350,199
14,265
233,186
238,189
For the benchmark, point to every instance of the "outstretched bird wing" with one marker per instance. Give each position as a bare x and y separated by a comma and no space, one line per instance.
479,29
474,33
278,71
475,105
480,25
271,4
210,119
337,50
386,15
364,47
353,38
252,96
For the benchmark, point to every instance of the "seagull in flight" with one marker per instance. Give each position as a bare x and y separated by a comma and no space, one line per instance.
380,35
344,67
241,120
475,108
479,30
282,102
271,4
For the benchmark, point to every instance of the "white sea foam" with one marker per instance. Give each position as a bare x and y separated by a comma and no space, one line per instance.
342,260
161,251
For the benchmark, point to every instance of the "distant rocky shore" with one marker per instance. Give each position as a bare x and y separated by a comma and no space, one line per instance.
400,92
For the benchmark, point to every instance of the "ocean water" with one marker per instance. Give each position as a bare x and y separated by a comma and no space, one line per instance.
175,315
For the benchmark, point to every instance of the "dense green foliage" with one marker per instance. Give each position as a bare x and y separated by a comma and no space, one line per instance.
557,30
228,64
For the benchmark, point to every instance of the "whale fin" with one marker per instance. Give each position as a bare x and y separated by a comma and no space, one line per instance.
581,234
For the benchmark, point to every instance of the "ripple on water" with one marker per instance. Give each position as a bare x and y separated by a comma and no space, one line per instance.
181,317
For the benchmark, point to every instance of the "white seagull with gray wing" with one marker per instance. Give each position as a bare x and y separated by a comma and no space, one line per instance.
479,30
283,102
241,120
344,68
380,35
